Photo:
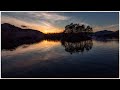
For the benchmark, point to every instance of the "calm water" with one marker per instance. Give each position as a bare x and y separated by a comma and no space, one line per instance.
62,59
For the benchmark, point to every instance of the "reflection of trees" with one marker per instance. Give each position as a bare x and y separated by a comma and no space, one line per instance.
76,47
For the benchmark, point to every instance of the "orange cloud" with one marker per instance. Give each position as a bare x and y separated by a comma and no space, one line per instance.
45,27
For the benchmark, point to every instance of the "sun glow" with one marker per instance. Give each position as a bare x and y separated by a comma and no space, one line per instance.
46,29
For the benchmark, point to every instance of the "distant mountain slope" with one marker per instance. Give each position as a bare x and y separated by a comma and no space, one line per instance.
7,26
103,32
17,36
107,33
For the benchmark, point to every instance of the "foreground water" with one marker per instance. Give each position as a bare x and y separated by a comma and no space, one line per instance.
84,59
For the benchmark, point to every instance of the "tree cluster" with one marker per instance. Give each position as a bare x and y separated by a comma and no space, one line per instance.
76,28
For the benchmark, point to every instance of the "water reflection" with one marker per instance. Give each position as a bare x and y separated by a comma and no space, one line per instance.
52,59
76,47
14,44
70,46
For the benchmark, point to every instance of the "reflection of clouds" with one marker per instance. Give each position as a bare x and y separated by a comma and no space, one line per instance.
43,54
109,44
42,46
34,54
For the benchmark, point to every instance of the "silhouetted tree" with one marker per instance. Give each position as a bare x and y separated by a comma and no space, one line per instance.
89,29
76,28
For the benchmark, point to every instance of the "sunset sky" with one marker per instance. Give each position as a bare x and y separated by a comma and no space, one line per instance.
49,22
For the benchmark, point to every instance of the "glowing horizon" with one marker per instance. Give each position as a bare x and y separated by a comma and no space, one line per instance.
48,22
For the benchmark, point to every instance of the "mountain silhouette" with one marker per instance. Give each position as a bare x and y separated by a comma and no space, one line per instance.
13,36
107,33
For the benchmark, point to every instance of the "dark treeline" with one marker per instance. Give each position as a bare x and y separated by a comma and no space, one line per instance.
66,36
76,28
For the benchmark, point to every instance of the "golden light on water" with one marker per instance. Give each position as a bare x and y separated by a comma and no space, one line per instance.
42,46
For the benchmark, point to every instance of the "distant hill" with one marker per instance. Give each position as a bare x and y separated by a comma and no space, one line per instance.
103,32
107,33
7,26
17,36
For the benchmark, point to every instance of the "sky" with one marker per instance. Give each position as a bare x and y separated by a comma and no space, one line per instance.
54,22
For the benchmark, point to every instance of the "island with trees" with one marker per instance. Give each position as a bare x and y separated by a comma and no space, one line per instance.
72,32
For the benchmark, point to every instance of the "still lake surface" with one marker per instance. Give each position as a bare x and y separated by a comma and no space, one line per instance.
85,59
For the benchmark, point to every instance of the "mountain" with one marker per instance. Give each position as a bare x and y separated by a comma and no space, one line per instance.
7,26
12,28
107,33
12,36
103,32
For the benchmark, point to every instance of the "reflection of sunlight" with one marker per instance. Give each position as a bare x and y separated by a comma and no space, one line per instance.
31,55
42,46
42,54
